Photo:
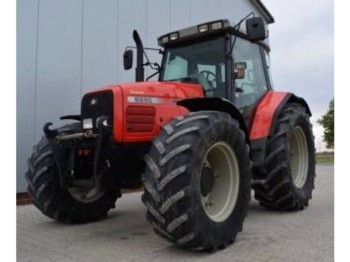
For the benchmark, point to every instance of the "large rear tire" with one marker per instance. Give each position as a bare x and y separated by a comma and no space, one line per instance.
286,180
60,203
197,180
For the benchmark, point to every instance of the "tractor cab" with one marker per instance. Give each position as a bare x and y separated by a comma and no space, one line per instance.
225,61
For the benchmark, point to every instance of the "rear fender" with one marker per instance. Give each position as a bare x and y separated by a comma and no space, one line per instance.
265,120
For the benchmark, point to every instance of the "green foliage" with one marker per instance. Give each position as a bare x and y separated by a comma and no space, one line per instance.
327,121
324,159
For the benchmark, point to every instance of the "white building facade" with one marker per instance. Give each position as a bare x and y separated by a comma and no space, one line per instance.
69,46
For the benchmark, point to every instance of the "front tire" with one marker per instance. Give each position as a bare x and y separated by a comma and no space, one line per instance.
185,202
286,180
60,203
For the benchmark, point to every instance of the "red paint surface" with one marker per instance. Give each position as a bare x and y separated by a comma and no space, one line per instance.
144,127
264,114
136,126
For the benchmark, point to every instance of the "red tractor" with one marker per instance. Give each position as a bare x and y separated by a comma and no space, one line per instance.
198,139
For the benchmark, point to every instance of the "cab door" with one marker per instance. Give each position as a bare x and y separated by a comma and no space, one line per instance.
254,85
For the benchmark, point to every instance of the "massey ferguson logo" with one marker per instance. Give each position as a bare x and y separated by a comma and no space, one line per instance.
93,101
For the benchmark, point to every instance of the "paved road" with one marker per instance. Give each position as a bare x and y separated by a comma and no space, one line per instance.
126,236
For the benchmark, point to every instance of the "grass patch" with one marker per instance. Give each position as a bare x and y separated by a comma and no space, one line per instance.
324,159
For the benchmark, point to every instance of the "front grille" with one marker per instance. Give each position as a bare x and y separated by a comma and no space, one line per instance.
94,105
140,118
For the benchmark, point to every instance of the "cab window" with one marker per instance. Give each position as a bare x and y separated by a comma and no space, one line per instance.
253,85
202,63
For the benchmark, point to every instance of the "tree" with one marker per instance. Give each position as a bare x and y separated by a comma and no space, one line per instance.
327,121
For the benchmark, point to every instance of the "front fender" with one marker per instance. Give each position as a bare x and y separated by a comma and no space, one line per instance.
215,104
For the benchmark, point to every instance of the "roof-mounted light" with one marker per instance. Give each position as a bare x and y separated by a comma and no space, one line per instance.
203,28
164,39
216,25
189,33
174,36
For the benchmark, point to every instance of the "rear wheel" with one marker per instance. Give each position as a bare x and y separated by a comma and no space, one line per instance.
286,180
197,180
75,202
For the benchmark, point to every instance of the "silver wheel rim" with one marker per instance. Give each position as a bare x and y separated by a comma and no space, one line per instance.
220,202
299,157
84,191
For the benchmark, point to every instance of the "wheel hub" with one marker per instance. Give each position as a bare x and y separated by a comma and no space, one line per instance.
207,181
84,187
219,181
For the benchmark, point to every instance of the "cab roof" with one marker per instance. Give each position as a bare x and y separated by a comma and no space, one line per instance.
204,30
194,32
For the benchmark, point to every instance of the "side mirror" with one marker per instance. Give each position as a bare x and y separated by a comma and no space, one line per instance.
240,70
256,30
127,59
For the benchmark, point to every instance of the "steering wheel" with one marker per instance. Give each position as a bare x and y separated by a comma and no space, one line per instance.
206,74
249,85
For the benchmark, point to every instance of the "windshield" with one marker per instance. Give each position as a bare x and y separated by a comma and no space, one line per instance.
202,63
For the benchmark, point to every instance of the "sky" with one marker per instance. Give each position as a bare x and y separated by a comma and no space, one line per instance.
302,53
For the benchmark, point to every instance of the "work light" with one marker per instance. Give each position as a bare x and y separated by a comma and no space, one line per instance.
203,28
174,36
87,123
216,25
164,39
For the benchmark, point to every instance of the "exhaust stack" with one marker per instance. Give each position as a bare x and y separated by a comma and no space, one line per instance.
140,72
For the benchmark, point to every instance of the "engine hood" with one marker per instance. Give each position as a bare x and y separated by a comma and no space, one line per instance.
140,109
172,90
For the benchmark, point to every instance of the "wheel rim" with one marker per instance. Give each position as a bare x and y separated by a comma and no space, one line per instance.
299,157
84,191
84,187
221,200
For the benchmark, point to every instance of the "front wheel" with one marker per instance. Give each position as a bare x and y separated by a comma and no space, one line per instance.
197,180
75,202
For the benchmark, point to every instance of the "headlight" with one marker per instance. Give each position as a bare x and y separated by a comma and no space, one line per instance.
87,123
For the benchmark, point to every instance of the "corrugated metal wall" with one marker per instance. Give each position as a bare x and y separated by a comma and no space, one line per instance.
69,46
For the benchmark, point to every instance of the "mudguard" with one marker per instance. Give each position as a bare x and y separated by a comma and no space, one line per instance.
265,118
215,104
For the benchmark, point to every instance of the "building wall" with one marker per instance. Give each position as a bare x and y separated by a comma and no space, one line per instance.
69,46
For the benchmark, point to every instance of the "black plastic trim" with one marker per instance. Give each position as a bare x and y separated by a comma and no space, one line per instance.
103,107
266,72
296,99
71,117
258,151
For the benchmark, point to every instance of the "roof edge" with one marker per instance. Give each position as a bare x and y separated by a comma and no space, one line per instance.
265,12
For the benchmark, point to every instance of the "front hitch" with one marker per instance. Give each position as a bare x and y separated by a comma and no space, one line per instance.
60,144
48,132
56,149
